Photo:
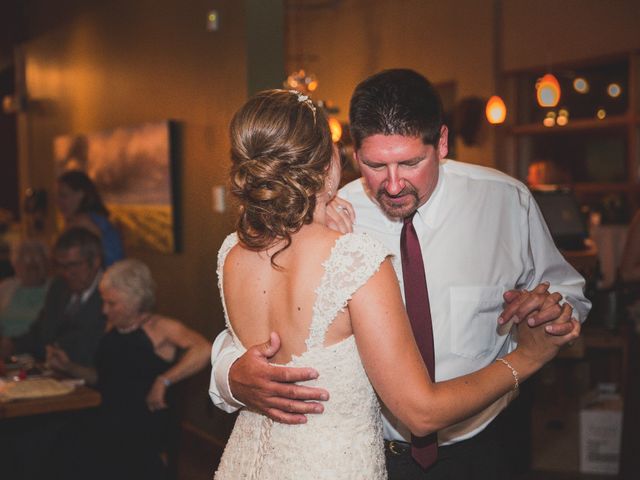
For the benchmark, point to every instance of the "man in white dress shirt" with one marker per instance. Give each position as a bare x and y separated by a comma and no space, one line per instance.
488,256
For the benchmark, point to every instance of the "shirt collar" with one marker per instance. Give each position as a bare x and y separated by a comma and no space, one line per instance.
84,296
429,213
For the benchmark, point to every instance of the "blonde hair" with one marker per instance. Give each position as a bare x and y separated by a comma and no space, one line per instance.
281,151
133,278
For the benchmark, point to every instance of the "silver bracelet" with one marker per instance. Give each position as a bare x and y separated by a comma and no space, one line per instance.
165,381
514,372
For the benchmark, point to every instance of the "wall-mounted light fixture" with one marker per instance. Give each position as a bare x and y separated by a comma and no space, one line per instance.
548,91
496,110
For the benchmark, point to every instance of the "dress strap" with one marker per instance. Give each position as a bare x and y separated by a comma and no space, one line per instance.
227,245
353,260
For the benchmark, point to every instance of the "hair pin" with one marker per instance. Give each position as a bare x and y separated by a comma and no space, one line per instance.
307,101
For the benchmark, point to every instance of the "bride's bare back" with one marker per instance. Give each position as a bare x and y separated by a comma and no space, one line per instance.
261,299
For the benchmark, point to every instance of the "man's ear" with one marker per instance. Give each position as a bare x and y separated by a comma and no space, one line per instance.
443,142
355,156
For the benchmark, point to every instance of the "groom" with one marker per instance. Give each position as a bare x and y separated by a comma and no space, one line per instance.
486,253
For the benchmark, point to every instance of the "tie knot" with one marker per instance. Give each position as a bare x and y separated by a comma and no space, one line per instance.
408,220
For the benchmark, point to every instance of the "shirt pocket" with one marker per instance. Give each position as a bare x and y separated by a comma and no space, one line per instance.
474,321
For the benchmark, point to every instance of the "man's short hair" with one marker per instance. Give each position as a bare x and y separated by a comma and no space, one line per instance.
88,242
396,102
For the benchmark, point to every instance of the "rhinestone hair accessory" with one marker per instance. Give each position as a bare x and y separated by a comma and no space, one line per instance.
306,100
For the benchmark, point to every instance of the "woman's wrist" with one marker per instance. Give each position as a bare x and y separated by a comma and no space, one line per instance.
166,381
525,364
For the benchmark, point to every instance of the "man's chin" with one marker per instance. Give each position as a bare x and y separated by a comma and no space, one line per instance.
397,211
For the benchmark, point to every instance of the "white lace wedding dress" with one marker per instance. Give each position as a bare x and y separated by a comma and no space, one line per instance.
345,442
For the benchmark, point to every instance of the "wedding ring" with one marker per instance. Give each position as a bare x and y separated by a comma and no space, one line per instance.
340,208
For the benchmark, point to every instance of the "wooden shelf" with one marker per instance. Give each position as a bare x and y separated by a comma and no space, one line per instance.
605,187
569,151
577,125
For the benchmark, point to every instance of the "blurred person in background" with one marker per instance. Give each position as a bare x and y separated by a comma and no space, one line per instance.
22,296
80,204
72,313
139,358
72,319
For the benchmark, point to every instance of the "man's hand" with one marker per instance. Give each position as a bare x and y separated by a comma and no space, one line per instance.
270,389
537,307
340,215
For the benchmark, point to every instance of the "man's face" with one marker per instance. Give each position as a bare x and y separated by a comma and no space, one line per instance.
76,269
400,171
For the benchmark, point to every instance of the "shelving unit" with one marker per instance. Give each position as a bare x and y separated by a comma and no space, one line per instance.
598,158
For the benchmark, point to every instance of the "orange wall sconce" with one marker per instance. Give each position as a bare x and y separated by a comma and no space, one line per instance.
496,110
548,91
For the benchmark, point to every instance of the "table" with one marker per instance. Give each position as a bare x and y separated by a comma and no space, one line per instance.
81,398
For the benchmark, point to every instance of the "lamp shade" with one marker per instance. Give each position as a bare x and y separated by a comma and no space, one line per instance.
548,91
496,110
335,128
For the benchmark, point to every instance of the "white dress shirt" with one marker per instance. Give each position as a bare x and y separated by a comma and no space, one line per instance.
481,234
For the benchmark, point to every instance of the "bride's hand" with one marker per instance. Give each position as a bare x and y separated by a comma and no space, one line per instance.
340,215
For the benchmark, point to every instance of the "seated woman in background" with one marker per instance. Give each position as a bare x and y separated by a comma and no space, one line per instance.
137,361
80,205
22,296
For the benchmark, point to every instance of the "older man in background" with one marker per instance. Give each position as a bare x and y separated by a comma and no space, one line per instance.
72,315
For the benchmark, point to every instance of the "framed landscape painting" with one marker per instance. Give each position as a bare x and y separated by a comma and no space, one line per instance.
134,171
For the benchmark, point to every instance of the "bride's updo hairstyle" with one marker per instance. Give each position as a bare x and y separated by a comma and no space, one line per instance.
281,151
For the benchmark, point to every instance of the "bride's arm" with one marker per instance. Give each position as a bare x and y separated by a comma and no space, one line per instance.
397,372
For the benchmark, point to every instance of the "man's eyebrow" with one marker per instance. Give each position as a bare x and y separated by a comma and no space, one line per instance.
417,159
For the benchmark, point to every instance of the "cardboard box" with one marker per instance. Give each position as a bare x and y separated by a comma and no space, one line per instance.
601,433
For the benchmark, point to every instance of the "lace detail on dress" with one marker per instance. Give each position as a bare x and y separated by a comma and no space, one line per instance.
345,442
353,259
227,245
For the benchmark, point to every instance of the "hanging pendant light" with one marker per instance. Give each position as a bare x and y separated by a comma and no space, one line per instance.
496,111
548,91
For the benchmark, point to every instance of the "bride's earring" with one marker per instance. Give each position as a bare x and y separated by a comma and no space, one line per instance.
329,187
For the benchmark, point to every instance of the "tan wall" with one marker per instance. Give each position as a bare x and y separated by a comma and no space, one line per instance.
135,62
545,32
446,41
452,42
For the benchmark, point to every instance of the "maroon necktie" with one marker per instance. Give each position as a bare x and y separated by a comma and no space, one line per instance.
424,450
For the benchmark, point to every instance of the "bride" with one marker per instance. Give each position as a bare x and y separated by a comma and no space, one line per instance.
335,301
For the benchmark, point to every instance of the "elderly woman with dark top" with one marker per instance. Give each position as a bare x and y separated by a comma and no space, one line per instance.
80,205
22,296
140,357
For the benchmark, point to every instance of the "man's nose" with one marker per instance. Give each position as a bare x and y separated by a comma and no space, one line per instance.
395,184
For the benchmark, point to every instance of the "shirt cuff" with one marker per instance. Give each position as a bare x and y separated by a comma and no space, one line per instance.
223,354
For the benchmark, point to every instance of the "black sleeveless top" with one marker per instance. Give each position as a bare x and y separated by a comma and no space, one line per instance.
127,366
130,436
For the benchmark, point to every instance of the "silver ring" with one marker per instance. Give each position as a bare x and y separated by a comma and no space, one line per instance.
340,208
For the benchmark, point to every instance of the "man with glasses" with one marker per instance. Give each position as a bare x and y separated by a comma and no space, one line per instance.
72,317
